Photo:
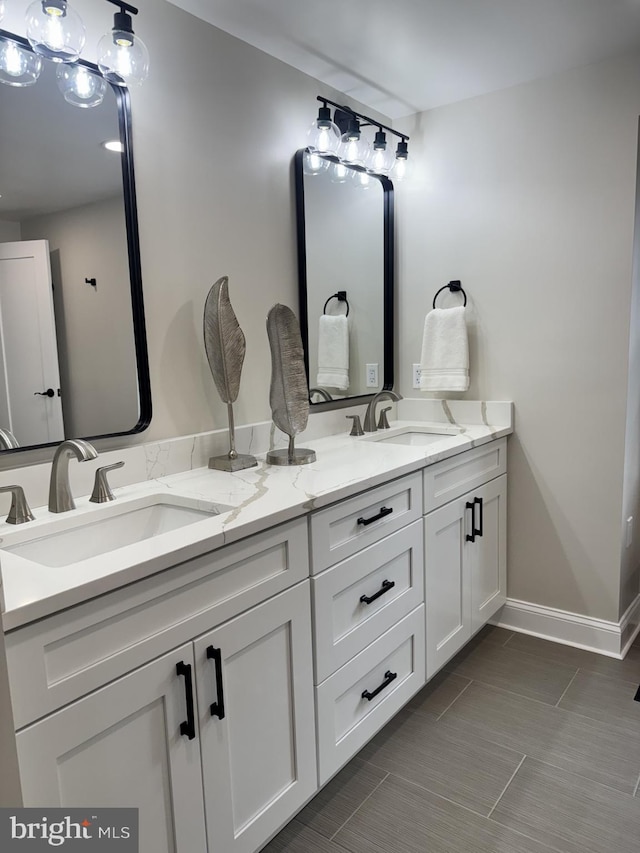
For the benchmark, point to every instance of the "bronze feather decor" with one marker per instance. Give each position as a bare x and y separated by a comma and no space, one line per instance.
289,393
225,347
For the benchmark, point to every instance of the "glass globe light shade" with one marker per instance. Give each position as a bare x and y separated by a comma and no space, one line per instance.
353,149
380,159
314,164
55,30
402,167
361,179
80,86
324,135
123,57
339,173
18,67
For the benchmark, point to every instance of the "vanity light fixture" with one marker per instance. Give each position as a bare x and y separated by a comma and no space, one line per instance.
55,30
18,67
123,57
354,149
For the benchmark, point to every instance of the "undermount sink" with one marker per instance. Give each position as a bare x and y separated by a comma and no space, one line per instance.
114,526
414,436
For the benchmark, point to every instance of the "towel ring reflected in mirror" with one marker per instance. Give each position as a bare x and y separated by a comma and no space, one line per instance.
454,287
341,296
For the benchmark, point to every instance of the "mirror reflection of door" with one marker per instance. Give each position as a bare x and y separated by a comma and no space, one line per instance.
28,353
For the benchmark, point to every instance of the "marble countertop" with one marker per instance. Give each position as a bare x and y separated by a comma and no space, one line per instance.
260,498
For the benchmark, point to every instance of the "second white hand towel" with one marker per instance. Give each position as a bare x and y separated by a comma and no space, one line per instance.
444,365
333,352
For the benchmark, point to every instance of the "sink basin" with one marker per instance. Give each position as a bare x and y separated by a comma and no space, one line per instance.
414,436
114,526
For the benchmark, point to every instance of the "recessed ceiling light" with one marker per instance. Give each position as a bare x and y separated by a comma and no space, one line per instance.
113,145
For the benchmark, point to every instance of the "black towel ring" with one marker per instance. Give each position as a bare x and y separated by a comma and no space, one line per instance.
341,296
454,287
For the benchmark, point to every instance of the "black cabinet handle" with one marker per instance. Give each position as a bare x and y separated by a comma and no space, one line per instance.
388,678
217,708
479,530
386,586
383,511
188,727
472,536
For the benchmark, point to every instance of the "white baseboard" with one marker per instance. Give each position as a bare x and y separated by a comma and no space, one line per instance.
572,629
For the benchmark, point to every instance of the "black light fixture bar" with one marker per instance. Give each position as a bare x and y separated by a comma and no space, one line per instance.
368,121
124,7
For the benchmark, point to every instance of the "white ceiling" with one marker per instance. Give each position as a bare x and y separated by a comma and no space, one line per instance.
405,56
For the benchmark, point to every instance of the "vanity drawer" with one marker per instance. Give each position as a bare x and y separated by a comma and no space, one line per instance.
67,655
346,527
347,719
390,574
452,477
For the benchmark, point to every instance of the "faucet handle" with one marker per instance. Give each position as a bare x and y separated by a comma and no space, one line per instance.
101,489
383,423
20,510
356,427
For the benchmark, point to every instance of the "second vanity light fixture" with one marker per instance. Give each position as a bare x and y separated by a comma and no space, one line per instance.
341,140
56,32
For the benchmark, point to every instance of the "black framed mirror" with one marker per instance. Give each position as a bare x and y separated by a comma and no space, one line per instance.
345,236
73,355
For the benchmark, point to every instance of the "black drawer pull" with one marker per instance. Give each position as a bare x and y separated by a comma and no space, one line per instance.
188,727
386,586
479,530
388,678
471,537
383,511
217,708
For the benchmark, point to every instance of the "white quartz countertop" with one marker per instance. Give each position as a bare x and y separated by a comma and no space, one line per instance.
260,498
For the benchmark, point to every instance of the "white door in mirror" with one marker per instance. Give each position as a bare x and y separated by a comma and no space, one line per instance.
30,403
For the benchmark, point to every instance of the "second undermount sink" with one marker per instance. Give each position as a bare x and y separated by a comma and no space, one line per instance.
114,526
414,436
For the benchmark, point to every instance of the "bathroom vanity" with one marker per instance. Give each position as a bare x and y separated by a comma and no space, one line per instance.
218,674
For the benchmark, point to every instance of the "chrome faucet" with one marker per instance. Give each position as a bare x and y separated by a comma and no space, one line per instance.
369,424
60,497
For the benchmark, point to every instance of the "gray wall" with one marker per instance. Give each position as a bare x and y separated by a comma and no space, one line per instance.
528,196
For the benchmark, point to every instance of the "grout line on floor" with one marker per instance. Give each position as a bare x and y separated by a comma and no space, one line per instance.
567,687
355,811
635,790
508,640
507,785
454,700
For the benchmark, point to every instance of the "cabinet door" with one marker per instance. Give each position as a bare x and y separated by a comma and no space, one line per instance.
257,727
447,567
489,552
121,746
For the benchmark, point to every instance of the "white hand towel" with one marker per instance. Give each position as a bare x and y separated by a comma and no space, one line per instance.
333,352
444,365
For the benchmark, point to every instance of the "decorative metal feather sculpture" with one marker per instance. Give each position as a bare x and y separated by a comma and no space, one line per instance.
225,346
289,393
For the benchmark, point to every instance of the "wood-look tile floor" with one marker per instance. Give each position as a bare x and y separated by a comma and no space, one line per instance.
519,746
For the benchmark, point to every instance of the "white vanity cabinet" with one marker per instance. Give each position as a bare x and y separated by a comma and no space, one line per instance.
465,547
368,592
214,740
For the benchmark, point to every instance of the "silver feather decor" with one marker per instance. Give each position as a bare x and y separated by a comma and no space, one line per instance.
224,343
289,392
